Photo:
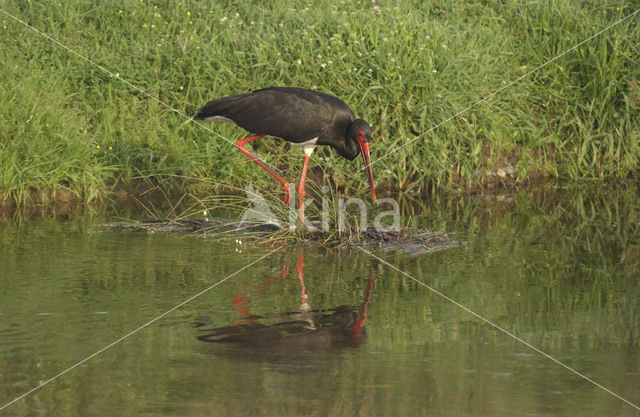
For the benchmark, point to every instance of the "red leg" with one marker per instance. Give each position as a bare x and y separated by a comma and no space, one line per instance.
239,303
283,274
303,288
362,313
240,145
303,178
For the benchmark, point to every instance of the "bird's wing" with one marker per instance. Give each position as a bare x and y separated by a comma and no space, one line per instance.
290,113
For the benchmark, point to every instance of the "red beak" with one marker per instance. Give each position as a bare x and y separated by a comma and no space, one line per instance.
364,148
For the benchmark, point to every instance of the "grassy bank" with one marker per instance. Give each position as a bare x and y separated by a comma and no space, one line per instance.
405,66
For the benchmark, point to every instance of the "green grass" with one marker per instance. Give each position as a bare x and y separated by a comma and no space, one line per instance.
405,68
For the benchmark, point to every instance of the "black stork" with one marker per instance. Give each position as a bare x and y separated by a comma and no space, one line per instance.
305,118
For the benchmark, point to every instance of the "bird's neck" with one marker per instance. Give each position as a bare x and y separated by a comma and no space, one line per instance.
348,149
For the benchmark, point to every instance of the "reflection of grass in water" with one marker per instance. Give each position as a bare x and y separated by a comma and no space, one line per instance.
564,261
573,255
529,268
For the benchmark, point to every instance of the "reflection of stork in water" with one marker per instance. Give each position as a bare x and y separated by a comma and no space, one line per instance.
294,332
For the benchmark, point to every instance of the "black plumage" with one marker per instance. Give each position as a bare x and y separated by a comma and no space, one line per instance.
303,117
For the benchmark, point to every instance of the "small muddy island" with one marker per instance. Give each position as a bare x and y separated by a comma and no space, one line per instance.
411,240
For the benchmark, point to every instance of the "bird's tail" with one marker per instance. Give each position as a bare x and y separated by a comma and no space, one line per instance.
218,109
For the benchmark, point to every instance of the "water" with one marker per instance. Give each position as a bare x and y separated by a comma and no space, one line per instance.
558,268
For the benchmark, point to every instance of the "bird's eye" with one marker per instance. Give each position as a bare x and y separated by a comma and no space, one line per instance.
361,137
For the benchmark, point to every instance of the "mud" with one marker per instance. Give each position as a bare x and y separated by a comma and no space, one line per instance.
411,240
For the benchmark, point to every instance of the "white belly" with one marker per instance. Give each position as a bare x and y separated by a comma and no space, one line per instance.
308,146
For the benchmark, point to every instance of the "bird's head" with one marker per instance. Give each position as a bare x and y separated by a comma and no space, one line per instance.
360,133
